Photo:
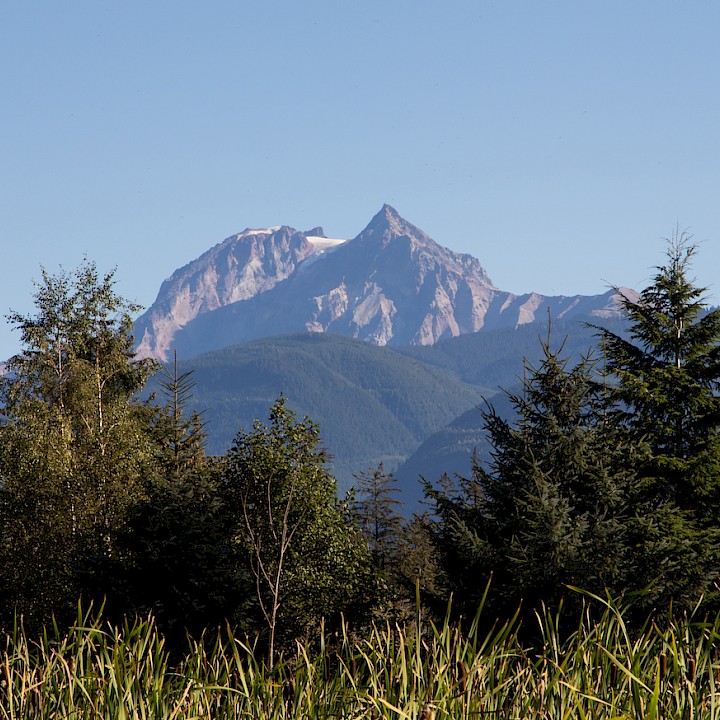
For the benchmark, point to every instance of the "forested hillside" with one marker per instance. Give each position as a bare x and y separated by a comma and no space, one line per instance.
398,406
372,404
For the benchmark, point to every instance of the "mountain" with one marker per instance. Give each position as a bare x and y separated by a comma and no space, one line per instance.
372,404
390,285
240,267
277,310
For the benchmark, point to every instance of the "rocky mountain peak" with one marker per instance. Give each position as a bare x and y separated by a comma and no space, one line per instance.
240,267
388,224
390,215
392,284
389,231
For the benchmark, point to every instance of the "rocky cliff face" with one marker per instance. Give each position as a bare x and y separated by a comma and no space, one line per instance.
241,267
404,288
392,284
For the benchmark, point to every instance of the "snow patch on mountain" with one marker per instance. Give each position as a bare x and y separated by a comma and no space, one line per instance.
323,243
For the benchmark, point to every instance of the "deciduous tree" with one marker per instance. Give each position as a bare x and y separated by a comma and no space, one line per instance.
306,557
73,445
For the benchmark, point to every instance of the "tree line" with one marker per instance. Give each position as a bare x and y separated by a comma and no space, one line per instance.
606,477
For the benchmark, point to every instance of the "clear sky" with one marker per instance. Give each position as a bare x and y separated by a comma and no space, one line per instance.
556,141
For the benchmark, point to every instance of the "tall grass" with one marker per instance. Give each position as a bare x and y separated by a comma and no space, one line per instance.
596,670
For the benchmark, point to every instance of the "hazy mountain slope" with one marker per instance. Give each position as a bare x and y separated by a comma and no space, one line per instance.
448,451
497,360
371,403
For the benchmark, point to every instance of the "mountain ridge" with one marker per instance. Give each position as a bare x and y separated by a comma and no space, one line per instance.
390,285
372,403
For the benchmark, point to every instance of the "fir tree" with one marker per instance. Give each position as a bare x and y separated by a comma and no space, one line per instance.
179,538
376,514
666,383
561,502
182,437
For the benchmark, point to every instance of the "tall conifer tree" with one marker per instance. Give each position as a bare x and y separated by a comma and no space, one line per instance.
376,513
178,540
564,501
666,383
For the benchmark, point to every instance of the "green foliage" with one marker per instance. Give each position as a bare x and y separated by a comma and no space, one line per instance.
78,342
373,404
180,563
667,382
604,476
73,447
306,558
588,665
375,512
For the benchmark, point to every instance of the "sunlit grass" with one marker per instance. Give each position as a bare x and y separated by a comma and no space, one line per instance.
598,670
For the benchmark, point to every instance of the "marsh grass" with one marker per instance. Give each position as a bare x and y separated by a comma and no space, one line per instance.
598,669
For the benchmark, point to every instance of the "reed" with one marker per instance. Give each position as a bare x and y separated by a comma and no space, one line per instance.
597,670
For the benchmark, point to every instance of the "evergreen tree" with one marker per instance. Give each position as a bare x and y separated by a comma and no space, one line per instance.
375,511
182,438
179,539
666,383
560,503
418,570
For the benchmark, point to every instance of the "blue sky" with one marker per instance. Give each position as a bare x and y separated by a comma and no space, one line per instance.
556,141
